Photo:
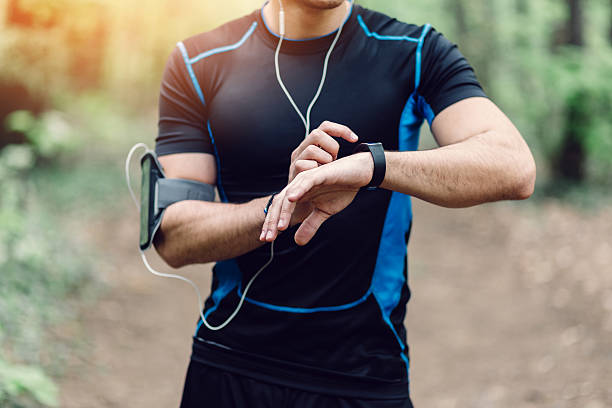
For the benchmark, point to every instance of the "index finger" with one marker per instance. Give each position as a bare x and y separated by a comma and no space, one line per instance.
318,138
338,130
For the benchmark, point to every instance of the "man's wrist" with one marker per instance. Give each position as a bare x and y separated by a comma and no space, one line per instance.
269,203
377,163
257,206
365,166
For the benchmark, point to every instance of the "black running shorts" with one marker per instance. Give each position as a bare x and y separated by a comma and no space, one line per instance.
207,386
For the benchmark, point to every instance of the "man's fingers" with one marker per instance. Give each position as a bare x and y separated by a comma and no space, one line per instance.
264,227
317,154
303,165
304,182
286,211
300,186
310,158
317,138
310,226
338,130
269,231
275,210
320,146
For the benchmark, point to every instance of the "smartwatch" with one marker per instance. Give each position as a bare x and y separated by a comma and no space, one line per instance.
380,164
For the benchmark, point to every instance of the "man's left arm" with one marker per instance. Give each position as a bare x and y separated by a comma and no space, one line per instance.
482,158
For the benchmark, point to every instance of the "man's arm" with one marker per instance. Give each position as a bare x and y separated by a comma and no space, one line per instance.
483,158
199,231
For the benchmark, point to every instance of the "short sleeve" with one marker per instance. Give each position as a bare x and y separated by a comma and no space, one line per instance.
182,115
446,76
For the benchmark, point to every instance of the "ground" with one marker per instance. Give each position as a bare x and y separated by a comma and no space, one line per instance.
511,307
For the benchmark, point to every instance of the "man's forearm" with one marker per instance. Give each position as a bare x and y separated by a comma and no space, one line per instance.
200,232
483,168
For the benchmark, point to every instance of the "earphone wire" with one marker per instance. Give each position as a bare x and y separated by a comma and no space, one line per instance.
305,121
128,161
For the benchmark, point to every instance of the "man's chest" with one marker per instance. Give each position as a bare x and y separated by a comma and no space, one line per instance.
255,128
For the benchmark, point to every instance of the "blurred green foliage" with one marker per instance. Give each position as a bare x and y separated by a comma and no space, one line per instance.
19,382
49,134
67,175
51,189
41,268
517,49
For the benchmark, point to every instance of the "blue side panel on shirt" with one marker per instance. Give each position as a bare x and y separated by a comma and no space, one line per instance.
425,110
227,272
388,276
228,276
388,279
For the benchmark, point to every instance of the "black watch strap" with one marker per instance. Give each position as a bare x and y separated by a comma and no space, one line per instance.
380,164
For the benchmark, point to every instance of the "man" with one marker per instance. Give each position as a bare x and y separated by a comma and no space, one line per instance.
323,324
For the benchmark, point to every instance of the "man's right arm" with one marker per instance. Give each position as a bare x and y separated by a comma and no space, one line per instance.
200,231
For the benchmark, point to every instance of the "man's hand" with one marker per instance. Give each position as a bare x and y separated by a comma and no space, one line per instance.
326,190
319,148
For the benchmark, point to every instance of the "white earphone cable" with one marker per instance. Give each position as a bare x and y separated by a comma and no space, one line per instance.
305,121
128,160
179,277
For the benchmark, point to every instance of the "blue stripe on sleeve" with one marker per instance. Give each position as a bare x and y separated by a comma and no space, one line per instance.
368,33
419,52
194,80
225,48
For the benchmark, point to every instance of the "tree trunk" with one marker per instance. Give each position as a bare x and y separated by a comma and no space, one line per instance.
575,23
476,35
458,10
572,156
571,164
610,22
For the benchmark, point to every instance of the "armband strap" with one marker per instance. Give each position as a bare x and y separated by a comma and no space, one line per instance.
170,191
158,193
380,164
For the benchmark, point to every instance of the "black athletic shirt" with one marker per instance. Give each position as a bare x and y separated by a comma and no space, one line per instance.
328,316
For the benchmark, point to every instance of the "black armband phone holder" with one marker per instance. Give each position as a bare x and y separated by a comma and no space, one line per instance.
158,192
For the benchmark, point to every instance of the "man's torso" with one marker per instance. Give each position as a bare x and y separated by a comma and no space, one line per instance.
329,314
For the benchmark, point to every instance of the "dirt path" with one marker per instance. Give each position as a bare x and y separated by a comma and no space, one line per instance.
511,307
